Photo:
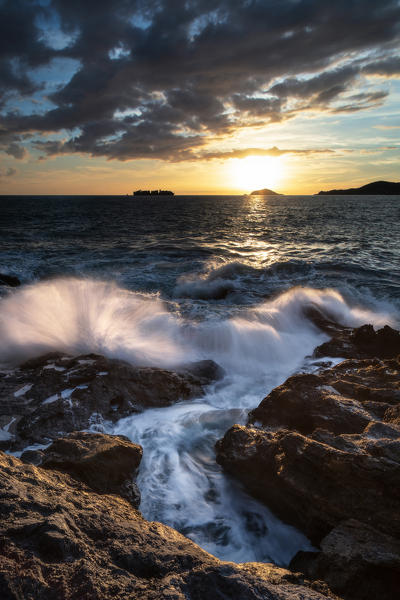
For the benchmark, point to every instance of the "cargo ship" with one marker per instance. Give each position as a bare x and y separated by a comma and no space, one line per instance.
153,193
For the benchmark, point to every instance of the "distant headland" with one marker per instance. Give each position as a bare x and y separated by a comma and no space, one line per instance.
384,188
153,193
265,192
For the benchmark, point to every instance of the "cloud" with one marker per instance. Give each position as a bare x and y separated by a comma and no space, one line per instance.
274,151
7,172
389,67
362,101
321,89
161,78
15,150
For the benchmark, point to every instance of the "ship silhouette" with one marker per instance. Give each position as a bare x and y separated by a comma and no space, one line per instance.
153,193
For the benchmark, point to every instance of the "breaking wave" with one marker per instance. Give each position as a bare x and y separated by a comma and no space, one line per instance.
258,348
84,315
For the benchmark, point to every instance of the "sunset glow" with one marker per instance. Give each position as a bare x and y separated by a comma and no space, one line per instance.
255,172
199,299
200,101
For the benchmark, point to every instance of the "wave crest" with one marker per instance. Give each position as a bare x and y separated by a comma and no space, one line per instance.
79,316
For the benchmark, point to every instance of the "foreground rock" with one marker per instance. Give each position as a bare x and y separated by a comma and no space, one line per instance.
357,558
56,394
60,540
323,451
106,463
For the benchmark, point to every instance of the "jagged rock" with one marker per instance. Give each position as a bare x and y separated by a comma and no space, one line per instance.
59,540
316,483
55,394
363,342
328,448
356,560
106,463
322,449
344,399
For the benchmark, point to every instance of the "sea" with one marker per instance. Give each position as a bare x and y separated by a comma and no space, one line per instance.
166,281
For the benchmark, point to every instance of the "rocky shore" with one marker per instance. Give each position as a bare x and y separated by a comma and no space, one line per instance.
69,530
322,450
55,394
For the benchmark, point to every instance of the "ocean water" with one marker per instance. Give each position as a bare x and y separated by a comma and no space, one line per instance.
161,282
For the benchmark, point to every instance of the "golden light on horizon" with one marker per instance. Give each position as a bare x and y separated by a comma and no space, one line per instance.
256,172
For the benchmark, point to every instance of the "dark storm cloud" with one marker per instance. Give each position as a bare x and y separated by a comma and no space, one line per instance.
387,68
321,89
268,108
161,78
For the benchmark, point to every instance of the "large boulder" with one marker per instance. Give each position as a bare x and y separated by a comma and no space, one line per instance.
51,395
344,399
60,540
325,447
356,560
106,463
315,482
322,450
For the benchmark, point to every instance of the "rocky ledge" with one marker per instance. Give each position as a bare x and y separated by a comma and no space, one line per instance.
323,451
55,394
66,533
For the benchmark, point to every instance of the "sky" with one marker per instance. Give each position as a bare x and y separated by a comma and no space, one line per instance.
198,96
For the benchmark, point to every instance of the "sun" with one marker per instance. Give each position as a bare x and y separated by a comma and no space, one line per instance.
255,172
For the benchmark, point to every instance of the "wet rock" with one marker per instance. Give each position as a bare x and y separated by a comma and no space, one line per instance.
321,450
32,457
307,401
356,560
106,463
9,280
55,394
325,447
344,399
61,540
316,482
207,371
362,342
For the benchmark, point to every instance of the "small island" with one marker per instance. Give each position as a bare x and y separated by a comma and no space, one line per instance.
265,192
382,188
153,193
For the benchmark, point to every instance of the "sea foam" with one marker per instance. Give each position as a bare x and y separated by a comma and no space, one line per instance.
78,316
258,348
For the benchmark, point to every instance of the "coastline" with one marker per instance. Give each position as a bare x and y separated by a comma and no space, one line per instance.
331,413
